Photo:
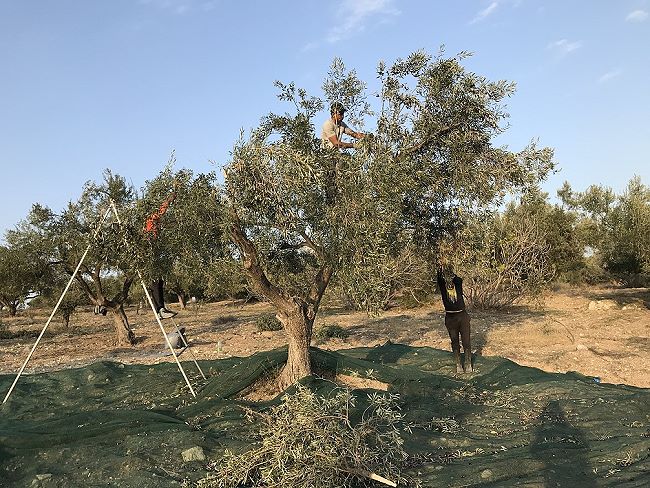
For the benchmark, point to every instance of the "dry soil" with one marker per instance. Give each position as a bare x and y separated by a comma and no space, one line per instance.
600,332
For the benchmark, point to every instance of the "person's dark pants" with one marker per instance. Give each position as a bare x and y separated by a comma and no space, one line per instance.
157,294
458,326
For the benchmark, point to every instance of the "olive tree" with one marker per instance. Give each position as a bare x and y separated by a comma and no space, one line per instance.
189,239
302,215
592,208
614,227
627,247
106,274
23,276
504,258
511,255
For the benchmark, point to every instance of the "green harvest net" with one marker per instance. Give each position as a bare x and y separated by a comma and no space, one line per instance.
504,425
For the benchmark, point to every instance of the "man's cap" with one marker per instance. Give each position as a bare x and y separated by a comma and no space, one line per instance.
337,108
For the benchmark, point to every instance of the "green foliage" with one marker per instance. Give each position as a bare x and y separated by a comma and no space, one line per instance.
557,227
313,442
628,227
405,278
188,246
332,331
63,238
268,322
429,164
73,298
503,259
225,279
87,229
615,227
24,274
591,208
287,265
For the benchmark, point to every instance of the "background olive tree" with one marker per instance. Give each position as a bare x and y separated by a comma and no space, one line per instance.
614,228
302,215
107,272
187,246
24,275
503,259
512,254
190,241
73,300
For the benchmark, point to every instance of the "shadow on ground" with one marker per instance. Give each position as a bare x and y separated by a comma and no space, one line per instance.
639,297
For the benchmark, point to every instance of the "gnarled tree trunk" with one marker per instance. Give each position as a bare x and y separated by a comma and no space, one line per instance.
10,305
296,314
125,336
298,324
123,333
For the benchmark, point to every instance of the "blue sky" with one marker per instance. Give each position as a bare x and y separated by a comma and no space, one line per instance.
92,84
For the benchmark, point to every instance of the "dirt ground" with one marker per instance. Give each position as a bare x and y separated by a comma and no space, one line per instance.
600,332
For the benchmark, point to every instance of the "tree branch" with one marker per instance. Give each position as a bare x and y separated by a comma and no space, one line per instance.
126,286
319,286
312,245
252,264
428,140
86,288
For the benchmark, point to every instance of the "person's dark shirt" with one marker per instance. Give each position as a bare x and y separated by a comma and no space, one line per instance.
451,305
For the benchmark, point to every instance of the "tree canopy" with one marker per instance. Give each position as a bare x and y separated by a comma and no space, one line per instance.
301,214
23,275
614,227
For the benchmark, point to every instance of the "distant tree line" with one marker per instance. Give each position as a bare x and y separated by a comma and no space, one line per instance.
589,237
505,255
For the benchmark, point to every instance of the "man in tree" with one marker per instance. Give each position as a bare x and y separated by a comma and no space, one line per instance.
151,228
332,138
334,128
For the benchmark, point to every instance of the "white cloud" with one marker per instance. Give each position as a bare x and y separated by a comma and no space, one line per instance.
609,76
210,5
353,15
637,16
310,46
489,10
176,6
564,46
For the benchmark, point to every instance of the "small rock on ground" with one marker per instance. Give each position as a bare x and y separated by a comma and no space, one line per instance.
193,454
